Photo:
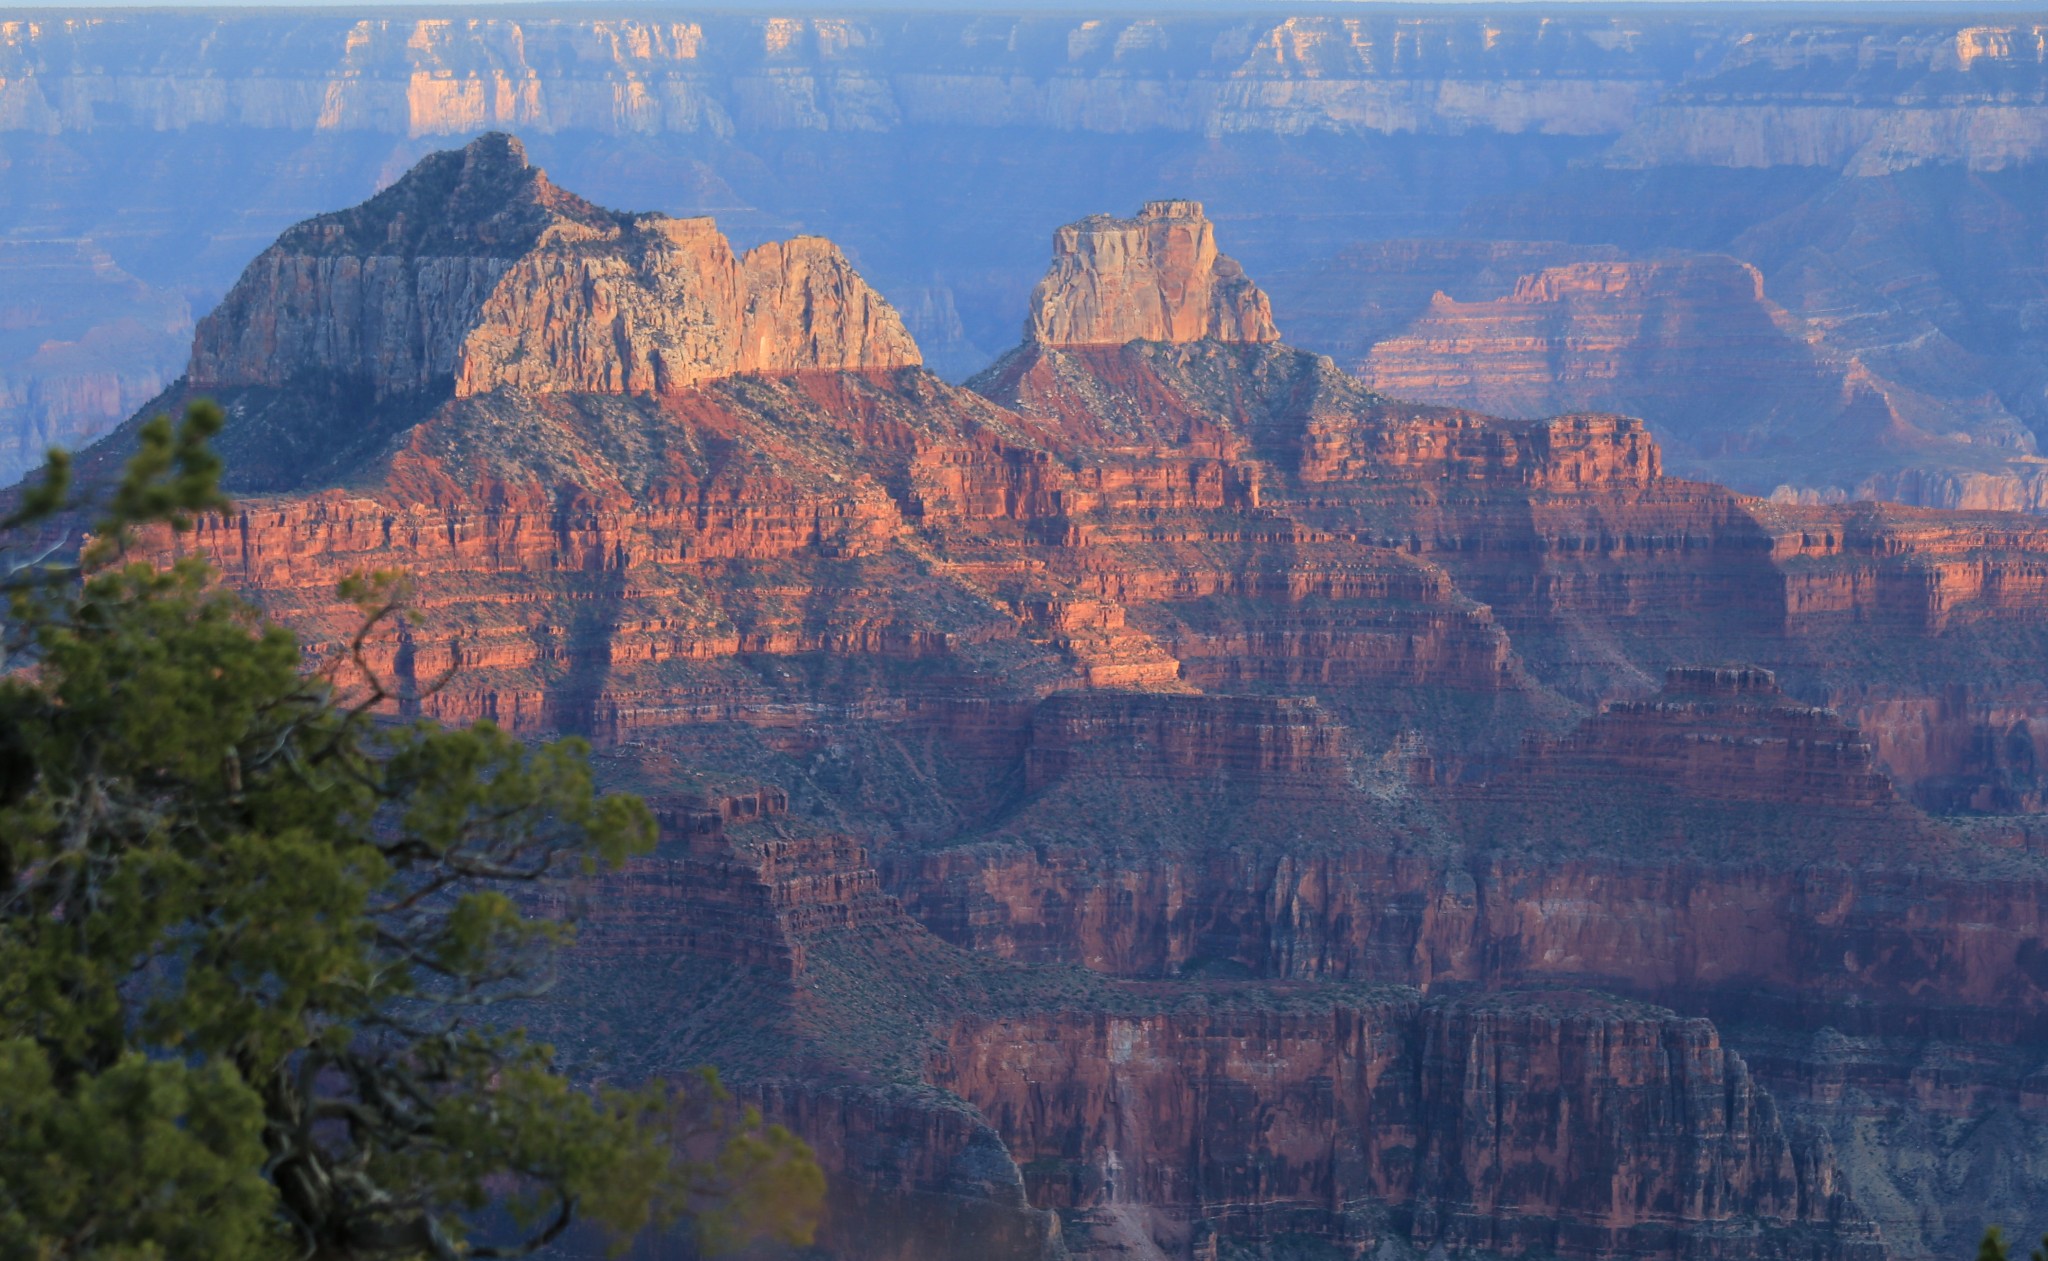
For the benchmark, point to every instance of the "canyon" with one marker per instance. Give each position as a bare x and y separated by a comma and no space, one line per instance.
1166,797
1832,222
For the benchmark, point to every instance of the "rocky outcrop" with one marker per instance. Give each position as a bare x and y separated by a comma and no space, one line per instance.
1908,567
1158,277
1624,336
475,273
666,305
1808,398
720,890
386,293
1269,746
1725,733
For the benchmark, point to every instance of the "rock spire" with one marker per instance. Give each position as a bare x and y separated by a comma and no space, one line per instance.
1157,277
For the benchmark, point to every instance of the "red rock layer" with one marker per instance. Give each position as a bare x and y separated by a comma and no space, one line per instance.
1556,1123
1495,1125
1282,747
1721,733
748,899
1902,951
951,616
1917,569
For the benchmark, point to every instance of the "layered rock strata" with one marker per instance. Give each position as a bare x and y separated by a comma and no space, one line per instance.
1869,98
1723,733
1789,393
475,273
1813,152
1188,684
1054,1115
1492,1125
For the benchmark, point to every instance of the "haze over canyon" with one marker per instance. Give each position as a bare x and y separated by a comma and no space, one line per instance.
1804,247
1164,796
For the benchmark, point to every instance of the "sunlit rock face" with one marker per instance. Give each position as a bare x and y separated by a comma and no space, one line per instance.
475,268
1156,278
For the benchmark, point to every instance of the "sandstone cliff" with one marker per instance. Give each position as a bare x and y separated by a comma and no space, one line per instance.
387,292
675,307
475,273
1157,277
1829,94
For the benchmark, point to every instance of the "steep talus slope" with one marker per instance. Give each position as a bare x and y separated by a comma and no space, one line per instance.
1171,798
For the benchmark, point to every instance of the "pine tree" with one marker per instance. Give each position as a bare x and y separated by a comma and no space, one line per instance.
256,942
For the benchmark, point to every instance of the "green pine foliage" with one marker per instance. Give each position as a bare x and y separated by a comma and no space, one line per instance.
255,942
1993,1247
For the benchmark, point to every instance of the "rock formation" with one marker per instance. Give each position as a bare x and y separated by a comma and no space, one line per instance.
1640,337
475,269
1064,781
1635,337
1723,733
678,309
474,273
386,293
1157,278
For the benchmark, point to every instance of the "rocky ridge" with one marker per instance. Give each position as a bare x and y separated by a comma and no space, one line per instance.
1868,96
474,273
